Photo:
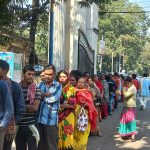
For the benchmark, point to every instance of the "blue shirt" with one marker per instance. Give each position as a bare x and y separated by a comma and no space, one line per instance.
6,104
145,83
48,113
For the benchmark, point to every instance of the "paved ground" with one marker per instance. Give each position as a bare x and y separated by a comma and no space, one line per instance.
111,141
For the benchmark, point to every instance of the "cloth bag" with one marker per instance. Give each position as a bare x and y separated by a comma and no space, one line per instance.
82,121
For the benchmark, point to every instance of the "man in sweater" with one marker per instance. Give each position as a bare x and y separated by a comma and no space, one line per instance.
18,102
6,109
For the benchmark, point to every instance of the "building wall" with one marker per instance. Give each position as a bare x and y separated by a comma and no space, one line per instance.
69,18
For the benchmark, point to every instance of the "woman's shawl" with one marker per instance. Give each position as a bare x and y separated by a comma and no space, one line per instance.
84,98
68,95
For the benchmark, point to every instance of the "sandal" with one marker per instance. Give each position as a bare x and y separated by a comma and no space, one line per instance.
133,140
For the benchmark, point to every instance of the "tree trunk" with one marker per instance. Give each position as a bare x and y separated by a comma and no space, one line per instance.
34,21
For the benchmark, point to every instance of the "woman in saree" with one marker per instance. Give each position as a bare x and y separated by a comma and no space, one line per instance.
97,102
66,113
127,126
84,102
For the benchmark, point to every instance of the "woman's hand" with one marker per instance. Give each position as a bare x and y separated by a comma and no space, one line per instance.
66,105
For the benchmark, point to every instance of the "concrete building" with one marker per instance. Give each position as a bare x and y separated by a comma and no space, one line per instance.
75,36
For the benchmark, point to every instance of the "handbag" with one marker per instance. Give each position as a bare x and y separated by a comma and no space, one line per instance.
82,121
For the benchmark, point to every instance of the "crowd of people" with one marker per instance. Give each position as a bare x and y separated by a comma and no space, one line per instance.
63,109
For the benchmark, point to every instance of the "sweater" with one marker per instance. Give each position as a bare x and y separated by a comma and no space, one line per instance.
130,97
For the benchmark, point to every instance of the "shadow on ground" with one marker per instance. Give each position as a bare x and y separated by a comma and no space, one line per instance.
110,139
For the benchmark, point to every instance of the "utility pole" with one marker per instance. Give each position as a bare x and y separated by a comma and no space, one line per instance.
112,62
51,33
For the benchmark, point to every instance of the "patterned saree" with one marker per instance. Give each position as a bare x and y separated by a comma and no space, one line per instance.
66,118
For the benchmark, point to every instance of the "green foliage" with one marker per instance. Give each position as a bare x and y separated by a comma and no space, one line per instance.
124,33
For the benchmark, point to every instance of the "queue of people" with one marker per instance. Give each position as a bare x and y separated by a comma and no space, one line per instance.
63,109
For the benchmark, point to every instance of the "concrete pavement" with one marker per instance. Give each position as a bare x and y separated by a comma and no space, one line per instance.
111,141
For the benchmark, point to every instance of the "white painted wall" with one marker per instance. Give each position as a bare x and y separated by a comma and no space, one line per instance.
68,20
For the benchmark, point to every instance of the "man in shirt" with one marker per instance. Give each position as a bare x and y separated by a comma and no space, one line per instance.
6,108
144,91
27,136
48,113
18,102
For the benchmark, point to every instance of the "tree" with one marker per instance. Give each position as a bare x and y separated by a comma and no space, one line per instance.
124,33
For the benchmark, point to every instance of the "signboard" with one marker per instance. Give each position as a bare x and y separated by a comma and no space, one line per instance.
15,62
9,57
102,47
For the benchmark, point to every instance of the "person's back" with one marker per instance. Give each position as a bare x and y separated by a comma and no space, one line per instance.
6,110
145,83
144,90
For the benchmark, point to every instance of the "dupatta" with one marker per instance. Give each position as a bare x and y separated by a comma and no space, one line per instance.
68,95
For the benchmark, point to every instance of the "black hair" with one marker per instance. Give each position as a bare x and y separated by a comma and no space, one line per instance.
76,73
50,67
28,68
134,76
116,74
128,79
145,75
4,65
63,71
75,76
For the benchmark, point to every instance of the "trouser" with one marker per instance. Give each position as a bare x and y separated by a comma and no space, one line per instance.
2,134
7,142
143,101
111,103
27,137
48,137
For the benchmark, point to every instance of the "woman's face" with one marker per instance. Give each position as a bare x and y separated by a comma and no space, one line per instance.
73,81
81,83
63,78
90,82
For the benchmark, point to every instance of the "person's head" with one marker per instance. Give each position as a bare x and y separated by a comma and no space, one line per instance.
86,75
63,77
116,75
134,76
81,83
73,80
145,75
90,82
128,81
95,78
102,77
50,72
4,68
28,73
42,76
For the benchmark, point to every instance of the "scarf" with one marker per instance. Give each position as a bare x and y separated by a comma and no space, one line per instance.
68,94
31,93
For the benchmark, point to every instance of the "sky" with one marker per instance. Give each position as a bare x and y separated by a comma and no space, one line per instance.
143,3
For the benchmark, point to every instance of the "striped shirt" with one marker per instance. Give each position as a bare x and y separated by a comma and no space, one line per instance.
49,107
30,117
